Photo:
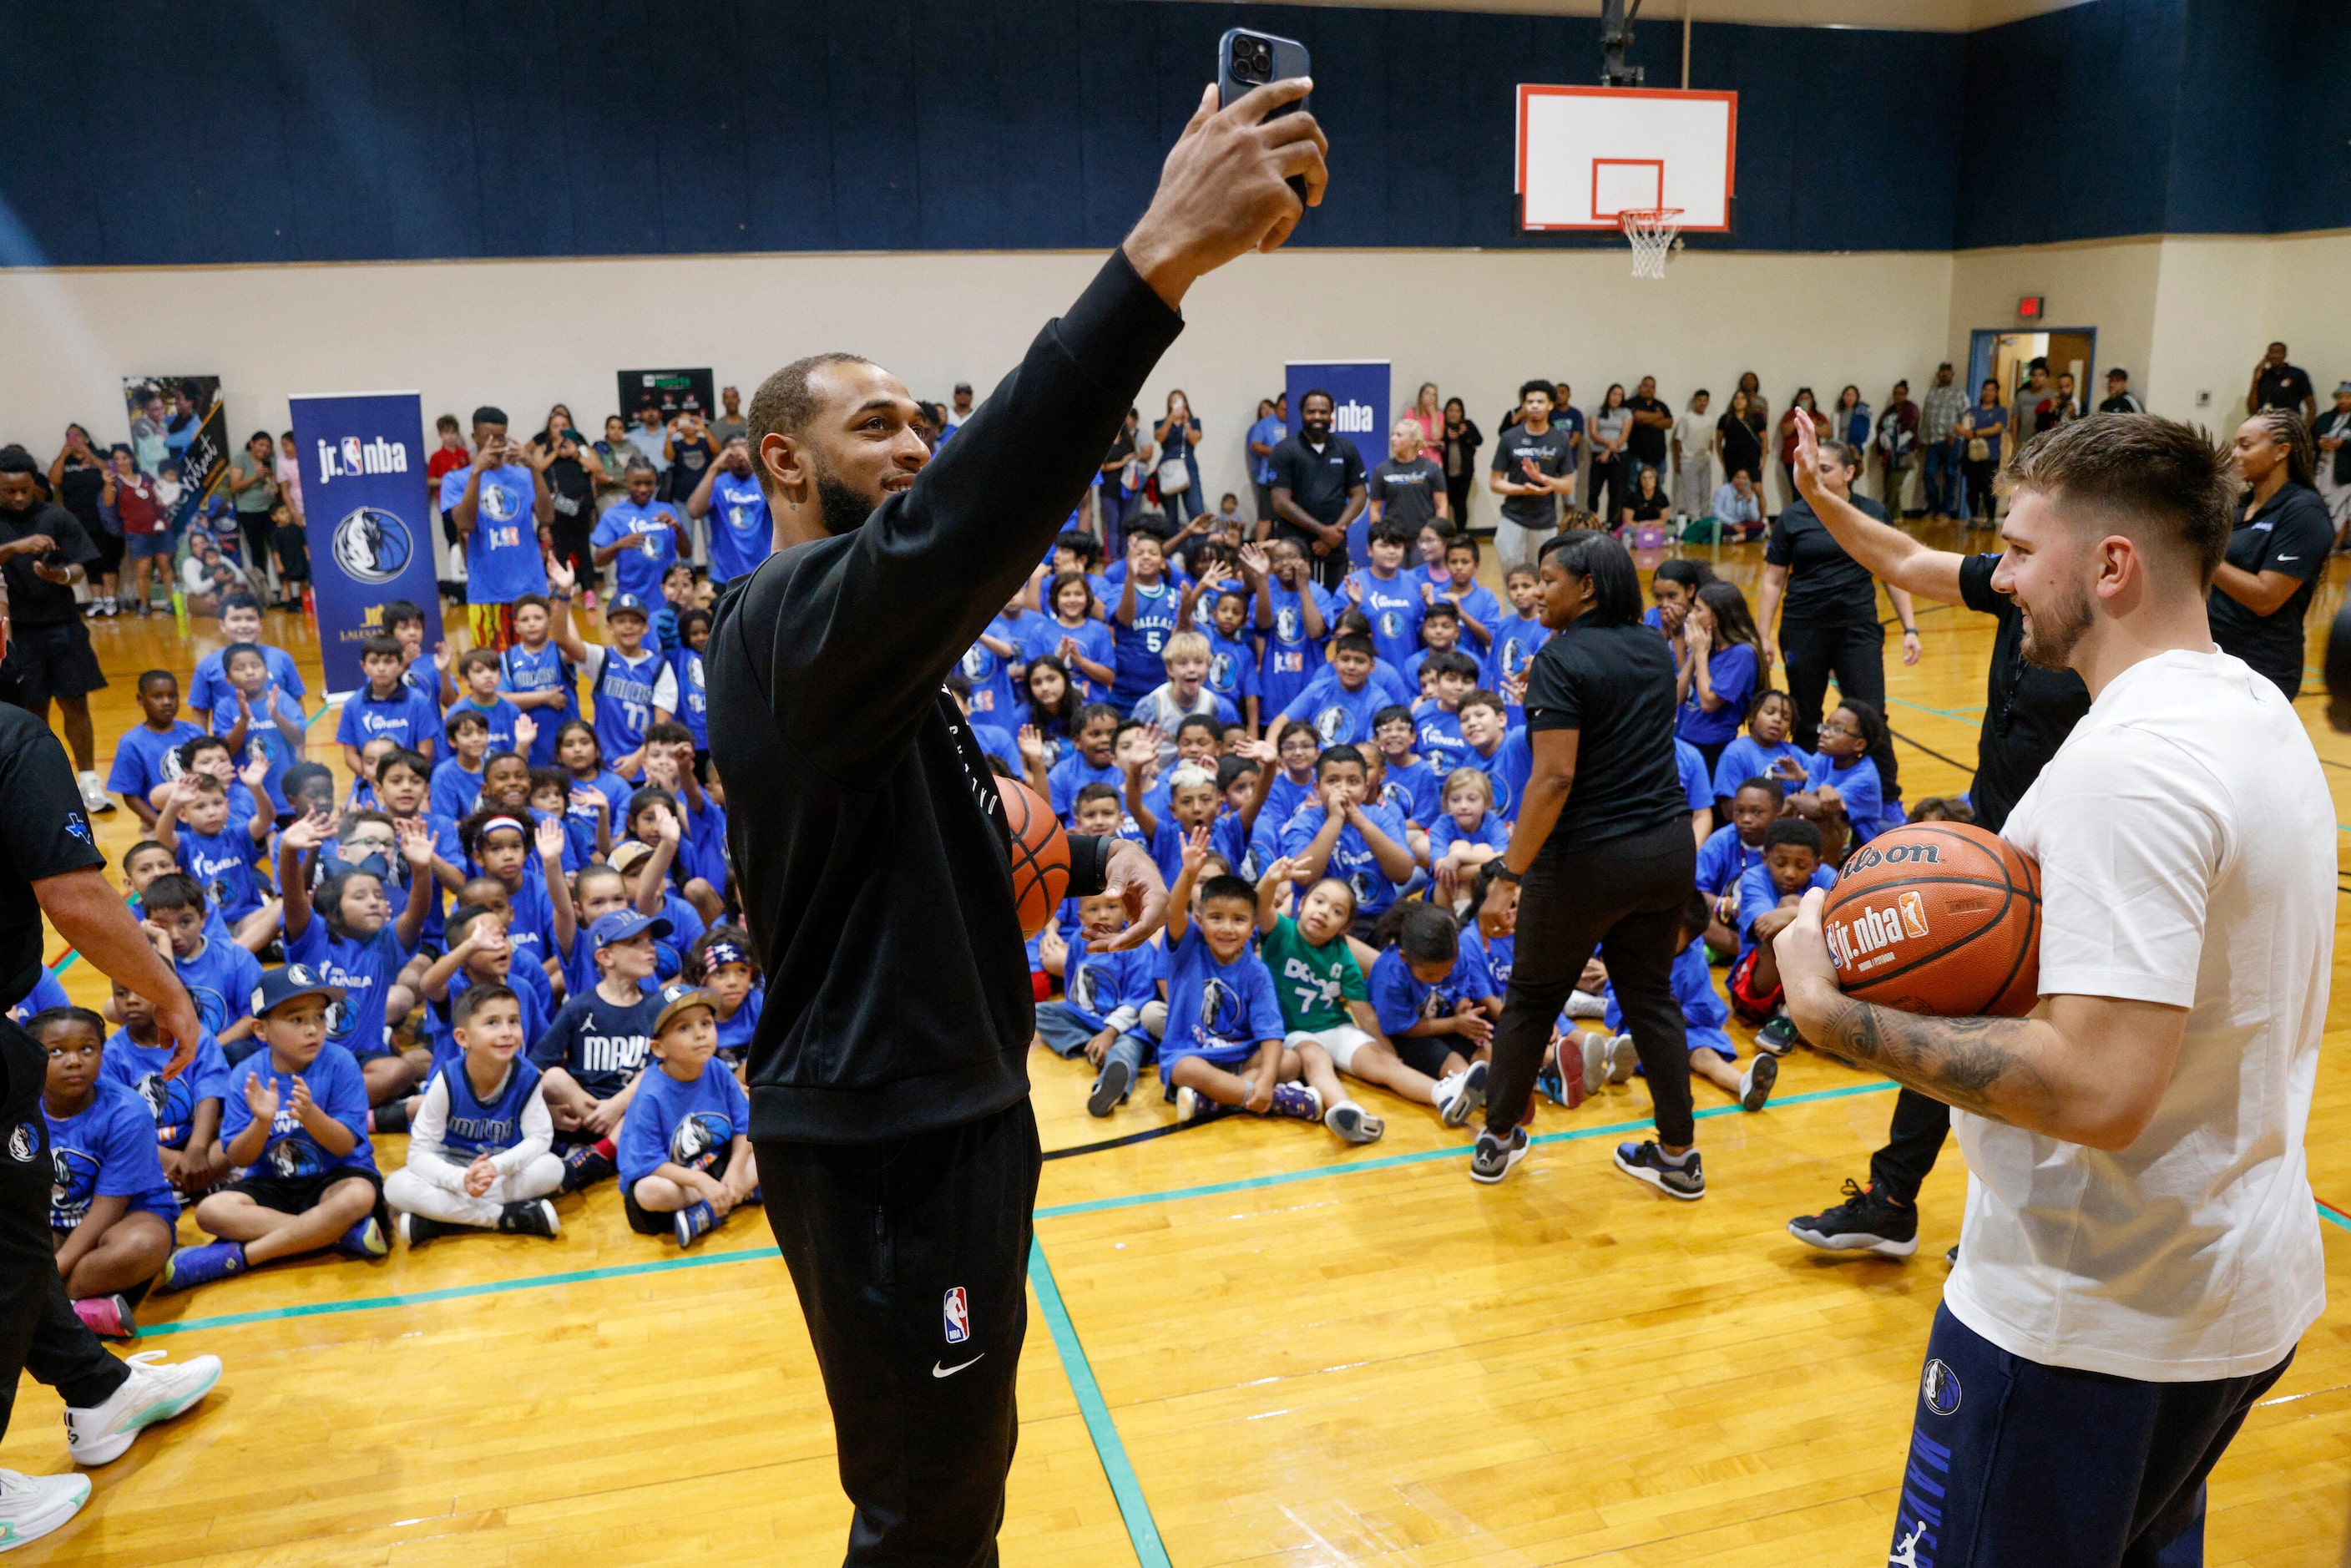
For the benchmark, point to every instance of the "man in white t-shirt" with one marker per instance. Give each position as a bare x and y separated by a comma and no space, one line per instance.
2141,1248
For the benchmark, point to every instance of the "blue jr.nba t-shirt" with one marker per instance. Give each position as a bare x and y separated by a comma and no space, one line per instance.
337,1087
1393,606
1222,1011
173,1101
741,534
502,555
648,533
107,1150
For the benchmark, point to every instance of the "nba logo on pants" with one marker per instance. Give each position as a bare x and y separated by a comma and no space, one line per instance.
957,1313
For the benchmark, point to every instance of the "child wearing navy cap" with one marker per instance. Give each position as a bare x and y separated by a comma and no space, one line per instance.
480,1145
685,1149
295,1128
593,1054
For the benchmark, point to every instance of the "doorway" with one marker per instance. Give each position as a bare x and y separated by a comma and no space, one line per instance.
2005,357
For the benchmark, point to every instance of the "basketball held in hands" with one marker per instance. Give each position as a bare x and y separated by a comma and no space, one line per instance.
1040,854
1942,918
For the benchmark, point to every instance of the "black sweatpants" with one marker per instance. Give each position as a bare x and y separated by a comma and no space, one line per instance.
1855,654
911,1259
38,1330
1912,1144
1623,897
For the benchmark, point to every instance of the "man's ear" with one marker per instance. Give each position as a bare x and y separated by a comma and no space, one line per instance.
782,460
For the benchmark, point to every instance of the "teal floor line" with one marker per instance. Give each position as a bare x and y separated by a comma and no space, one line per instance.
1964,715
1142,1530
1420,1156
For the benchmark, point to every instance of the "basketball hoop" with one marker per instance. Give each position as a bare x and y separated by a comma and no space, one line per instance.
1653,232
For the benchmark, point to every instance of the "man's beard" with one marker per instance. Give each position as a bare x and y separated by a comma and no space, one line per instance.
843,509
2050,635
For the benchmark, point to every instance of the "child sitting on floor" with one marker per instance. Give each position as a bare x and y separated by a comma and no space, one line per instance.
480,1143
1712,1056
186,1109
110,1210
1102,999
722,963
1768,897
684,1146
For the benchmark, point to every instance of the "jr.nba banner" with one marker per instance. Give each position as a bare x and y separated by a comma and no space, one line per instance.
363,497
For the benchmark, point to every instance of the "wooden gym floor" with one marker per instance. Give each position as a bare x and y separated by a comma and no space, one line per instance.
1249,1344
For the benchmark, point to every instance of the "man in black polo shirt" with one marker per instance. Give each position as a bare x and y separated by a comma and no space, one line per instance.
2028,713
2277,384
898,1154
43,549
1318,489
2120,399
1653,425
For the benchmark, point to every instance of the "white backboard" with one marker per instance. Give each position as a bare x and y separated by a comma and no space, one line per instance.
1587,155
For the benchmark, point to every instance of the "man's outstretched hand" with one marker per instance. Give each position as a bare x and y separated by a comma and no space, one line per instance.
1131,877
1224,189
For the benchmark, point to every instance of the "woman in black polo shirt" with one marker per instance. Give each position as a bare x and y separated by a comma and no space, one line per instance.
1828,623
1603,842
2262,589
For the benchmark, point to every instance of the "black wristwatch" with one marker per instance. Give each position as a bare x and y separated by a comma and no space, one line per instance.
1504,873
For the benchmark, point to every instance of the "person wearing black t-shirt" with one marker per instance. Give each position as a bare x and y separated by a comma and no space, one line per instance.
43,552
898,1153
1827,606
2277,384
1603,845
1319,487
1653,427
571,489
2262,592
2028,713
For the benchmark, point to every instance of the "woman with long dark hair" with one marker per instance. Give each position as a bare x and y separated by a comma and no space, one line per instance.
1603,847
1737,444
2261,590
1811,405
1980,430
1611,427
1460,439
1719,669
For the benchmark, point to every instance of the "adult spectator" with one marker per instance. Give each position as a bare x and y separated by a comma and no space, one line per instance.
1758,410
1738,507
43,551
2261,590
1178,435
1896,445
1272,429
2065,405
2277,384
2332,437
253,495
1460,439
1534,465
1826,605
1980,431
571,469
958,412
1693,459
741,532
1612,469
649,436
83,482
729,426
1427,413
1851,423
146,534
2120,399
1114,491
2034,408
1318,490
1811,405
1409,487
1648,503
502,508
1739,440
1653,427
1939,445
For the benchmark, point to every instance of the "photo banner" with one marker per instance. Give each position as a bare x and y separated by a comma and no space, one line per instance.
178,428
672,391
1359,398
365,517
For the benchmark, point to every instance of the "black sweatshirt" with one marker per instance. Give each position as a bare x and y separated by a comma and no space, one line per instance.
863,817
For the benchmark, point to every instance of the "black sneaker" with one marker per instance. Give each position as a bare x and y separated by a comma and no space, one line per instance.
1952,1256
1866,1221
416,1230
1755,1083
1647,1162
583,1167
534,1216
1109,1089
1778,1035
1491,1160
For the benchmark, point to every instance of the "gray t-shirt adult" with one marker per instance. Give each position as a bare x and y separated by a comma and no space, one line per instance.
1407,492
1553,456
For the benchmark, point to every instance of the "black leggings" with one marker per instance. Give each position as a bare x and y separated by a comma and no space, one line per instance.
1855,654
1912,1143
1980,499
1623,896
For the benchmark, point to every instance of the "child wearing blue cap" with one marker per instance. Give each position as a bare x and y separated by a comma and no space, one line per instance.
593,1054
632,686
294,1129
685,1149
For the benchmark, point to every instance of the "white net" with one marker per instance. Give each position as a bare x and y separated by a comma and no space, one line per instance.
1653,232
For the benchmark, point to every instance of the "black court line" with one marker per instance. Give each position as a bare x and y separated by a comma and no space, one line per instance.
1930,751
1142,1137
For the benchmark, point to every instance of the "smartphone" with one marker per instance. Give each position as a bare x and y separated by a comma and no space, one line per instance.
1246,60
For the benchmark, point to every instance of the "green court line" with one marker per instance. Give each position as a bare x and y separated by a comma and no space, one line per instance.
1420,1156
1142,1530
1963,715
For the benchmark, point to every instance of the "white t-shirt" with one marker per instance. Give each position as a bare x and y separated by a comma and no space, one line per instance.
2187,846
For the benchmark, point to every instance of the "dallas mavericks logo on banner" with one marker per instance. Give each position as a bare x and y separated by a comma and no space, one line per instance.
364,502
1361,411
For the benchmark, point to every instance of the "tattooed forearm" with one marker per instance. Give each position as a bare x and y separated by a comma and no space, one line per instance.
1980,1064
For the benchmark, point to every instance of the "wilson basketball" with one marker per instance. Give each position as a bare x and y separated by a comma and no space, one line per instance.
1942,918
1040,854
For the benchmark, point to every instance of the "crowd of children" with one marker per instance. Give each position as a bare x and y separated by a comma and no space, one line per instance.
510,936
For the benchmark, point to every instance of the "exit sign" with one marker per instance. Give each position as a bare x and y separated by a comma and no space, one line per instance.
2029,308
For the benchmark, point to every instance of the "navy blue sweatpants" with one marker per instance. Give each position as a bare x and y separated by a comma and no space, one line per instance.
2015,1464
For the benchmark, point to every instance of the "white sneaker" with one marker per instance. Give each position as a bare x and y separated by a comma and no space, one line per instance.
94,797
1596,1055
1622,1059
32,1506
152,1393
1585,1005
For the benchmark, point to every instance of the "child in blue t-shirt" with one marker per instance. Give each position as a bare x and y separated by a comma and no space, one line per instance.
1768,897
1452,676
110,1210
722,963
345,930
386,706
1344,835
684,1147
537,679
1222,1048
1192,805
693,685
637,537
1338,706
1232,662
295,1127
457,778
1712,1054
1292,617
1092,759
240,621
1407,784
1467,835
186,1109
480,1147
630,684
1519,635
222,856
259,721
1073,631
1147,613
1435,1002
1731,852
479,672
1765,750
1841,778
145,755
1103,997
479,954
498,503
1389,597
1458,585
220,977
580,755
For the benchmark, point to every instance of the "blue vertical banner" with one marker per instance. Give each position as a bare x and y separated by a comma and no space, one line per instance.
1359,401
366,519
